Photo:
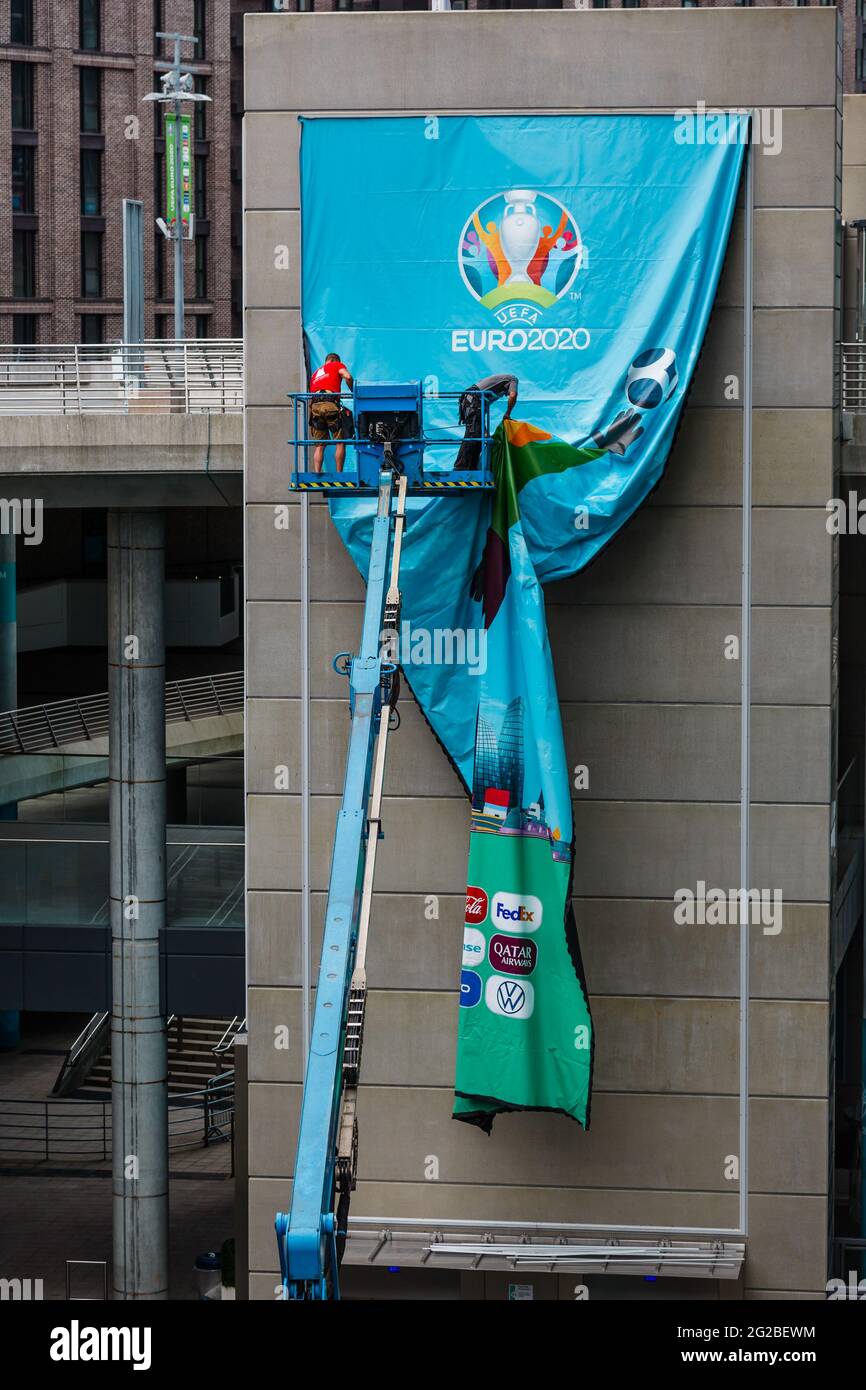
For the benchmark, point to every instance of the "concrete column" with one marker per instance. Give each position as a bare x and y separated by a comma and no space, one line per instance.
8,640
8,629
10,1020
136,685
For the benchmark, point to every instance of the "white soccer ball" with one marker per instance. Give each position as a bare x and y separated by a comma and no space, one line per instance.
652,378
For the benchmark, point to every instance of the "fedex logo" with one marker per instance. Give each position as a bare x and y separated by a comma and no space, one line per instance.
517,911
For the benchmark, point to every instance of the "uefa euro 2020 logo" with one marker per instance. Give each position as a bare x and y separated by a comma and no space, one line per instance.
519,253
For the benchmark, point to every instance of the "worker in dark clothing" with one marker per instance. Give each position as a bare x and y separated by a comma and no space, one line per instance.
327,417
471,415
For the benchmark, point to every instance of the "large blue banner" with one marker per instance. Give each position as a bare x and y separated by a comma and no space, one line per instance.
582,255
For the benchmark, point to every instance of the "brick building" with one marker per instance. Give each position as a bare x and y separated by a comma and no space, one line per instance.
79,140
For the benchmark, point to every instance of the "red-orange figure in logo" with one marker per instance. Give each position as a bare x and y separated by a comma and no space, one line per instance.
546,242
494,246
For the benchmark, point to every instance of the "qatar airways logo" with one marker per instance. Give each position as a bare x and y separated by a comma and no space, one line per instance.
517,911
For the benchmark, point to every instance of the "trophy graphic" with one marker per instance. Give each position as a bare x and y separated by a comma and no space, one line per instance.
519,232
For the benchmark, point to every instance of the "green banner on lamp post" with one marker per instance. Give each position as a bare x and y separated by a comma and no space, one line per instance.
171,182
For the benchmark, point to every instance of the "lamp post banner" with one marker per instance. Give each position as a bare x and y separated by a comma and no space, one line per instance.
171,190
580,254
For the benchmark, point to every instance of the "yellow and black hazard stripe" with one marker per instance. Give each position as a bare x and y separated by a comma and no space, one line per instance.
326,483
468,482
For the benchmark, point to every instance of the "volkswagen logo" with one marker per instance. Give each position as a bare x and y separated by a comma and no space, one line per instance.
510,997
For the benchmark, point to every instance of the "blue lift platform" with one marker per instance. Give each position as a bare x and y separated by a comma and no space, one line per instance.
387,421
392,461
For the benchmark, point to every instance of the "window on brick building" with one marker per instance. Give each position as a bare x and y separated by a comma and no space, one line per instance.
345,4
158,26
90,162
89,25
23,181
201,259
23,264
202,324
159,241
24,329
160,325
631,4
305,5
92,328
91,265
200,116
199,27
21,25
159,266
22,96
90,98
200,205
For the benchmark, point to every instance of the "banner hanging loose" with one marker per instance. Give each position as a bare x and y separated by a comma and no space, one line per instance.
580,254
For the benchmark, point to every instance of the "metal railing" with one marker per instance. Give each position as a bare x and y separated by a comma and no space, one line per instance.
42,1131
198,375
435,441
236,1026
853,363
42,728
85,1050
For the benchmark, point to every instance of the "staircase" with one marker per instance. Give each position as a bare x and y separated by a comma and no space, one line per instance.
198,1050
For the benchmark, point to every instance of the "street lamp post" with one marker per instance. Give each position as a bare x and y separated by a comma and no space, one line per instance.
177,87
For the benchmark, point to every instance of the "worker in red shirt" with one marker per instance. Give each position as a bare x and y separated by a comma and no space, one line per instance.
328,420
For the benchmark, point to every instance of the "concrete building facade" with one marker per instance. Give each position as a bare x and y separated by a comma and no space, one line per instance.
852,19
649,700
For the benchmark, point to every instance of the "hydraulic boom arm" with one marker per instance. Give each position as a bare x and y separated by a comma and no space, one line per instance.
311,1235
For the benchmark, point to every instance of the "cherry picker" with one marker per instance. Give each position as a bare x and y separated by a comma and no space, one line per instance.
393,457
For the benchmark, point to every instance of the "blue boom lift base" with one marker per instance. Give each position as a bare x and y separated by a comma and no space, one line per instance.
391,453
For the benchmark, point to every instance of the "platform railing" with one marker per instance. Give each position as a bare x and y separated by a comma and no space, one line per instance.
194,376
42,728
438,440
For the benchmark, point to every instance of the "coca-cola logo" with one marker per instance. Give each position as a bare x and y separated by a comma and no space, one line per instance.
476,904
513,955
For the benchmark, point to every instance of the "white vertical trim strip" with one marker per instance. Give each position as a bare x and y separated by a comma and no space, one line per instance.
746,688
